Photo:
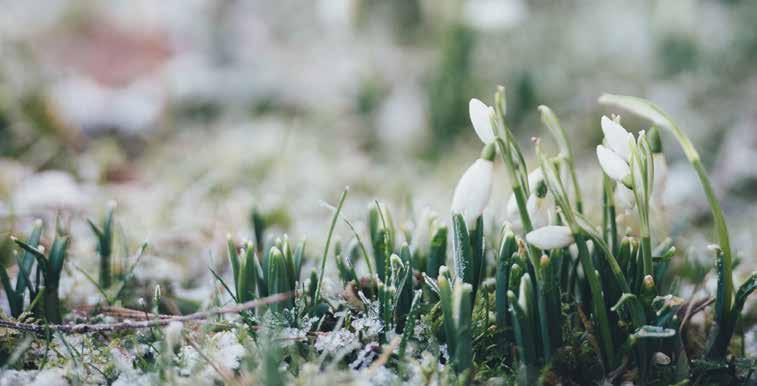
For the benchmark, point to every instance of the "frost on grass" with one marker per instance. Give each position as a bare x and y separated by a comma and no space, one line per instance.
223,349
336,341
49,377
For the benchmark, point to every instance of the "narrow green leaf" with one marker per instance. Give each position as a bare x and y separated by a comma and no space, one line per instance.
410,323
463,253
507,248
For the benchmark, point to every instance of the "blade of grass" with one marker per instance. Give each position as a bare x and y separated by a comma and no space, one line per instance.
325,256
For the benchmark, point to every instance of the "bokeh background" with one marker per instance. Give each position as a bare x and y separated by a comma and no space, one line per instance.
190,113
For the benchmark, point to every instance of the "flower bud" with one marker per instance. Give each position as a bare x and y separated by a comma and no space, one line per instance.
550,237
473,191
481,117
617,138
612,164
624,198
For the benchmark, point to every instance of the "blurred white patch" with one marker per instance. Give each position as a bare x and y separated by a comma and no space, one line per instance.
336,12
402,118
494,13
80,102
48,190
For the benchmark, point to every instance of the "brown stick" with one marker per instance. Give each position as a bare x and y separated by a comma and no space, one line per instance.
103,327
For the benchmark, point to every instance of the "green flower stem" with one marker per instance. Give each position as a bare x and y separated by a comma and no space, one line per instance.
533,252
598,300
646,253
612,225
520,198
550,120
638,320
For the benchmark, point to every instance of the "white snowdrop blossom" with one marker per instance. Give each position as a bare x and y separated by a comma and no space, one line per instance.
624,197
550,237
534,178
617,138
481,118
612,164
540,210
473,191
614,158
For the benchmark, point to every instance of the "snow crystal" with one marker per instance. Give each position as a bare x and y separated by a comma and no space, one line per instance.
365,356
334,341
49,377
368,326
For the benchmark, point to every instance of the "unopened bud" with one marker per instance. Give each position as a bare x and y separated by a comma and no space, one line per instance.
648,282
544,262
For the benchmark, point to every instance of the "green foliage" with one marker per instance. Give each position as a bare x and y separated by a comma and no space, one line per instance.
104,234
450,86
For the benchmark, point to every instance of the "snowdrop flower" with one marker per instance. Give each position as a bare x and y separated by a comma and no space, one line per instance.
534,178
624,197
540,208
550,237
614,157
474,188
481,118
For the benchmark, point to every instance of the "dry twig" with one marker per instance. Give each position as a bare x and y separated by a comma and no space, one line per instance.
85,328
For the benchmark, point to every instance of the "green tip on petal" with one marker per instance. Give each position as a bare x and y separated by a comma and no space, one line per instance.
488,152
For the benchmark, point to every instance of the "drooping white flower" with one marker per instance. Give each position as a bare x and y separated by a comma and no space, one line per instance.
540,210
617,138
615,157
473,191
612,163
550,237
624,198
534,178
481,118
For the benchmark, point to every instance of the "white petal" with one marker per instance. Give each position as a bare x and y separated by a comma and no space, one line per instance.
523,290
512,211
617,137
480,117
535,177
550,237
473,191
624,196
613,165
540,211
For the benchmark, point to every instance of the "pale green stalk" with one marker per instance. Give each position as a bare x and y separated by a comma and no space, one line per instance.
550,120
